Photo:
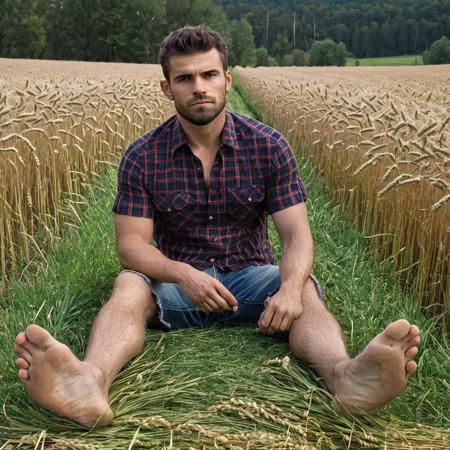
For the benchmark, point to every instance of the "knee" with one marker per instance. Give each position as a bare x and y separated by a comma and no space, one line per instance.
132,293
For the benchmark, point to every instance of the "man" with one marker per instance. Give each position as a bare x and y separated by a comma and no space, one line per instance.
202,185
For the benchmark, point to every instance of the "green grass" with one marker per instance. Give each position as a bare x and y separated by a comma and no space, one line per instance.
186,372
404,60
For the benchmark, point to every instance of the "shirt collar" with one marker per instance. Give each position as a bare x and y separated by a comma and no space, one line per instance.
229,138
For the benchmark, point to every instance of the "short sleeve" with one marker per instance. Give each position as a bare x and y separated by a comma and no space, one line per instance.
132,198
284,188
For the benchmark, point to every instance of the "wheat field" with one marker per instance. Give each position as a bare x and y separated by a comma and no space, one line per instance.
61,122
380,137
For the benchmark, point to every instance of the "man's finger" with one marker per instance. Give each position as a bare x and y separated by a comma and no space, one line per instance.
219,302
275,325
205,306
227,296
286,323
266,318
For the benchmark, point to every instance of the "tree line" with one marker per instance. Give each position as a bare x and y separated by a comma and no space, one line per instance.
261,32
367,28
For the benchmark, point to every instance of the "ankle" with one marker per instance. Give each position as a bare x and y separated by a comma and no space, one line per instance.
337,373
100,375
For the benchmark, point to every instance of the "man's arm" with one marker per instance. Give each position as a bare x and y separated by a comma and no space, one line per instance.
296,262
133,236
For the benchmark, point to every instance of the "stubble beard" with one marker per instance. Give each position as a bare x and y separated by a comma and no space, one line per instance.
201,115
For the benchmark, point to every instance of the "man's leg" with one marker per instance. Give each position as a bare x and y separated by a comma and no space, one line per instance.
377,375
76,389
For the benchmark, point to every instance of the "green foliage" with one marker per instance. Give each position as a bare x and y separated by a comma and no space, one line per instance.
22,32
131,30
242,51
280,48
426,57
327,53
101,30
439,52
150,19
192,12
272,61
367,28
298,57
286,60
262,57
295,58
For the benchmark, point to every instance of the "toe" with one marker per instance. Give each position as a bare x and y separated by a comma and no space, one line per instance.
22,352
411,352
410,367
21,339
22,363
39,337
24,375
29,347
397,330
414,331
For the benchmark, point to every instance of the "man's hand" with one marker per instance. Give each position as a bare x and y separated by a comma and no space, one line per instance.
206,292
281,310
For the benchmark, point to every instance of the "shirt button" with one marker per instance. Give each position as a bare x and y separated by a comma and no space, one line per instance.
199,168
169,209
210,217
212,259
249,199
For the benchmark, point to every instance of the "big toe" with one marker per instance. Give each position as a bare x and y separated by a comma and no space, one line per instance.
39,337
397,330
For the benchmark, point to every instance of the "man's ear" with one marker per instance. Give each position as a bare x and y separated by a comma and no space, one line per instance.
228,81
165,87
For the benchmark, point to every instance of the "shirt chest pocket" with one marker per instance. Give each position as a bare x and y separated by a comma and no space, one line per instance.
244,203
175,210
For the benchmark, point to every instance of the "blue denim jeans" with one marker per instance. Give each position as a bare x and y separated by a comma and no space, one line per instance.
252,287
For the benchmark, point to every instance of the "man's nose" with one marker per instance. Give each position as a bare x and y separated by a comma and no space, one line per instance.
199,86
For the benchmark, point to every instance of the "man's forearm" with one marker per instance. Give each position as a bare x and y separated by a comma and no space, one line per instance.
296,262
146,258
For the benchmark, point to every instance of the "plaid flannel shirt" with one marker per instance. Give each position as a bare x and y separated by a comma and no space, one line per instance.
222,222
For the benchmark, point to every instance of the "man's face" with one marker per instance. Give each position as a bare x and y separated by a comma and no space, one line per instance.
198,86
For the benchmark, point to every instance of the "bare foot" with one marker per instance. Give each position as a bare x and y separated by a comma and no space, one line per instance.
60,382
380,372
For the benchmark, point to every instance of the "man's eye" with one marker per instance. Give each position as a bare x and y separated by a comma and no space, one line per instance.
210,74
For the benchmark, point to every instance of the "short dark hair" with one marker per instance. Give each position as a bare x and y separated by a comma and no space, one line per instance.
189,40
